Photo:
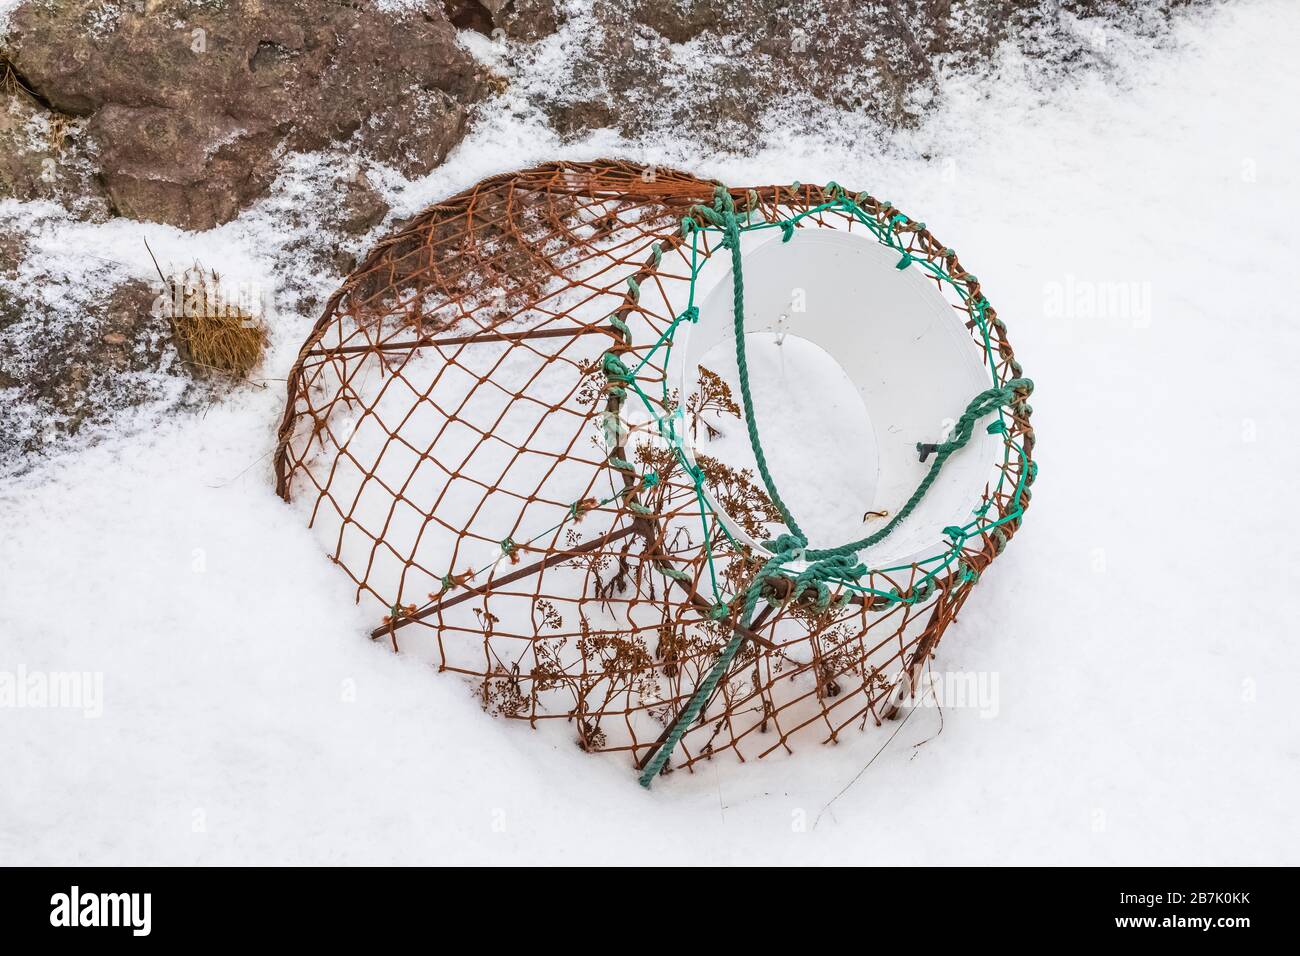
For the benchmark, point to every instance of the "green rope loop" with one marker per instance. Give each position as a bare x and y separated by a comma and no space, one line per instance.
826,566
723,214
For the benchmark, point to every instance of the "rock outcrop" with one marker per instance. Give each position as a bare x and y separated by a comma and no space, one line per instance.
79,351
186,108
190,105
713,69
44,155
524,20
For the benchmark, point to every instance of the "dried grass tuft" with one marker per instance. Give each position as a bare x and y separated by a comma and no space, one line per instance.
10,84
211,332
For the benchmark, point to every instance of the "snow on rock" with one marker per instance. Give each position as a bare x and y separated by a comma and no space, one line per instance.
191,106
1133,645
730,75
83,347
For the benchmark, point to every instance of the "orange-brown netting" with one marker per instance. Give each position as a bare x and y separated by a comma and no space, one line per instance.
454,437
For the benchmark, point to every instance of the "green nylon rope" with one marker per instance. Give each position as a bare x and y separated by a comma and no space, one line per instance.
828,565
723,215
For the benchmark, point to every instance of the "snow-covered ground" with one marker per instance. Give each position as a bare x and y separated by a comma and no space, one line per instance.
1136,644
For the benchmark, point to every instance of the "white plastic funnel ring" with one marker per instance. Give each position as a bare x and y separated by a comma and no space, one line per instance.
906,352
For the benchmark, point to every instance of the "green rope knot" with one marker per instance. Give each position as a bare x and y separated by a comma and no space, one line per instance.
508,546
787,230
614,368
650,479
580,508
843,568
787,544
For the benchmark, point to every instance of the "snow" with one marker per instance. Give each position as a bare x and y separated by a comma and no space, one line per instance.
1132,230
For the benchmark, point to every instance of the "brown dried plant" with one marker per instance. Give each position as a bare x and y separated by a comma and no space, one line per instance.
212,333
736,492
715,396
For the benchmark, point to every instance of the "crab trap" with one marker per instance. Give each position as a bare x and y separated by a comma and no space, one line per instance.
693,471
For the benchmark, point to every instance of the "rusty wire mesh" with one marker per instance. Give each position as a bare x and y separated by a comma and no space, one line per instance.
445,433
